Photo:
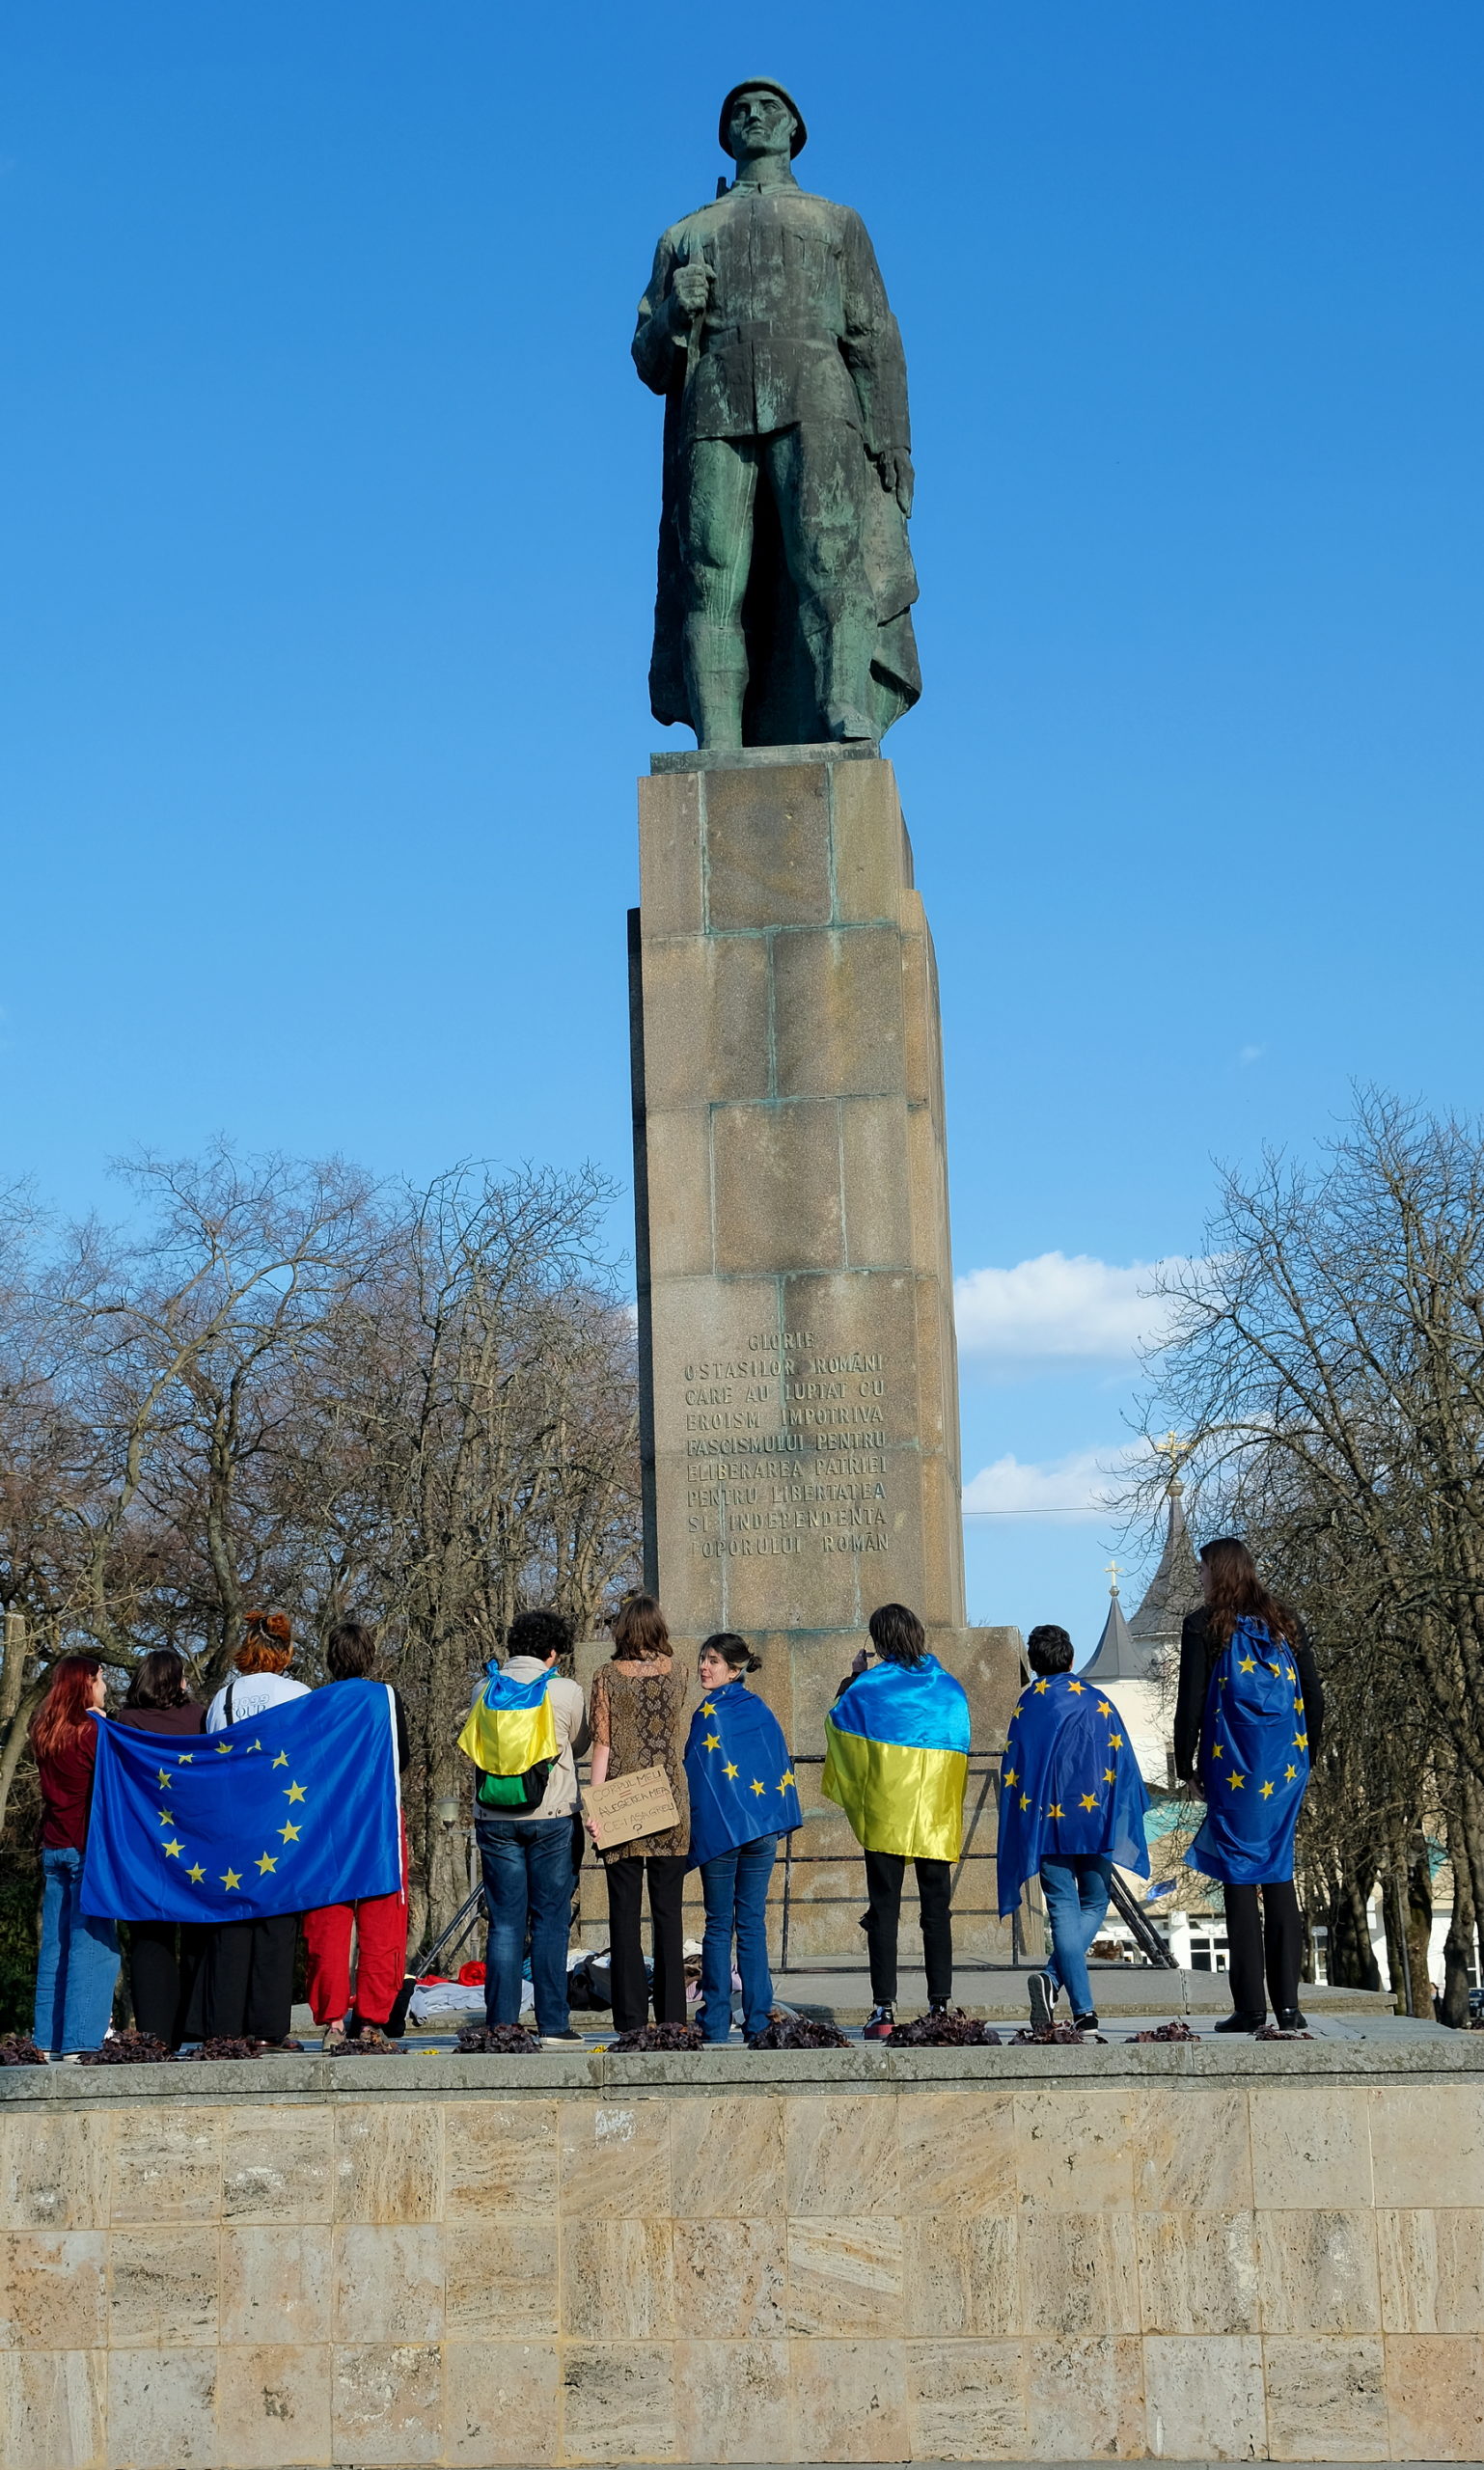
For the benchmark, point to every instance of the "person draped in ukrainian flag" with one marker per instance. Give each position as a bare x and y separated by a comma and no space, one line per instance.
1072,1803
525,1731
744,1799
896,1761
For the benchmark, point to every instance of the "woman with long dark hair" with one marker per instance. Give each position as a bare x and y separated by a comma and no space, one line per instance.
744,1798
163,1954
1247,1721
79,1958
637,1712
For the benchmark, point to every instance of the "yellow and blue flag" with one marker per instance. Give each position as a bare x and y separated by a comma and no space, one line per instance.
741,1778
1070,1783
1254,1760
896,1758
283,1812
510,1726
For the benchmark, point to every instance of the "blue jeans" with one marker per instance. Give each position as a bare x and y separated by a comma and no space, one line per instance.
527,1884
79,1960
1076,1886
735,1888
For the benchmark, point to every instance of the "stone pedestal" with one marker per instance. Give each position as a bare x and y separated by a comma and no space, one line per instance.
799,1379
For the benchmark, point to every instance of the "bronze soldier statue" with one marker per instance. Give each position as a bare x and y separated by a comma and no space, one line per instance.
786,581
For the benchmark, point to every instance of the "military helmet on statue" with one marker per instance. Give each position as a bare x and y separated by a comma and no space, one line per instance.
768,86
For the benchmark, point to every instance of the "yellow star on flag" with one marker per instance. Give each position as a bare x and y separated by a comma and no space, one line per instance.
1074,1688
1041,1688
1014,1714
729,1769
756,1787
713,1741
1248,1663
787,1780
164,1781
173,1847
282,1760
1089,1801
295,1791
1110,1774
290,1834
195,1873
185,1758
1301,1741
1234,1779
1055,1810
1115,1741
1267,1792
1010,1775
1298,1706
707,1707
267,1861
1103,1708
167,1818
1289,1772
1025,1801
223,1749
230,1879
1217,1750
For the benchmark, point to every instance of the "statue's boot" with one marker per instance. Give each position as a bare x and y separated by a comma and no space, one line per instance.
840,645
716,676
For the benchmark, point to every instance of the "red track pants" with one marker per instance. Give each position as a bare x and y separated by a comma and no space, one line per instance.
382,1929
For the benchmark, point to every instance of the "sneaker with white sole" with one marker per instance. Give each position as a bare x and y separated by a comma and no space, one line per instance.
1043,2001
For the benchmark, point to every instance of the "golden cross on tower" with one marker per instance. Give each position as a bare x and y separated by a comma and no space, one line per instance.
1174,1451
1112,1575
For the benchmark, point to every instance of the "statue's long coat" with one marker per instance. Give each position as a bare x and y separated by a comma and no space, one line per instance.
797,328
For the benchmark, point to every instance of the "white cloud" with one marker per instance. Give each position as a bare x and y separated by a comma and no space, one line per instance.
1059,1307
1079,1485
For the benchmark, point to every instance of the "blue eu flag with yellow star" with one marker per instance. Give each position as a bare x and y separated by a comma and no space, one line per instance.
1254,1760
1070,1783
281,1813
738,1773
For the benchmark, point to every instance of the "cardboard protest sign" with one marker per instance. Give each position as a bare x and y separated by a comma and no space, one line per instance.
630,1805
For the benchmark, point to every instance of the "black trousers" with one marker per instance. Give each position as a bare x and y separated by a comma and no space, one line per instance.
245,1987
625,1946
1270,1941
883,1875
163,1979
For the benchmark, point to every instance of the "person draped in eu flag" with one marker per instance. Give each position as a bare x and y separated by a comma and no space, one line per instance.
897,1760
1248,1718
743,1799
1072,1802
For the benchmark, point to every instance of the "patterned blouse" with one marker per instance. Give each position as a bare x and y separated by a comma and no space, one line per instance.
643,1712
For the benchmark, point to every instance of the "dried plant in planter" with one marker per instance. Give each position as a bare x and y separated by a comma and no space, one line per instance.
1060,2033
798,2032
1173,2031
1276,2033
356,2047
660,2038
18,2049
228,2048
126,2050
496,2041
955,2031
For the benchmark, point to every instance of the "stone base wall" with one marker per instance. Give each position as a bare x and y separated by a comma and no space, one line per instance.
1203,2254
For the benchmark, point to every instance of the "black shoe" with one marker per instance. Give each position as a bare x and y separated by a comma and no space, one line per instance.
938,2007
1292,2019
1240,2023
1043,2000
1086,2023
880,2025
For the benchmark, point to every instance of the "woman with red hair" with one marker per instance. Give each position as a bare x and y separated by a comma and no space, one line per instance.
79,1959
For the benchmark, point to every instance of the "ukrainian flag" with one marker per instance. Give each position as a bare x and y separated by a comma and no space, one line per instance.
510,1725
896,1758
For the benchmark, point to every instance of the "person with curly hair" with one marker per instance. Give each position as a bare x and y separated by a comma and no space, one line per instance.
78,1964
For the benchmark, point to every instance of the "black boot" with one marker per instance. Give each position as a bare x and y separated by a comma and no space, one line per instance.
1240,2021
1292,2019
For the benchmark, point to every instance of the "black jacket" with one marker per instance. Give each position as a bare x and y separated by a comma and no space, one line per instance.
1197,1655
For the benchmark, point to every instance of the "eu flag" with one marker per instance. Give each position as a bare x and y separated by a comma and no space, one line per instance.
1070,1783
1254,1760
281,1813
739,1774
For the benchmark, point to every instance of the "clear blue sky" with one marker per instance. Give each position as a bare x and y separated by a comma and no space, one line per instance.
331,501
